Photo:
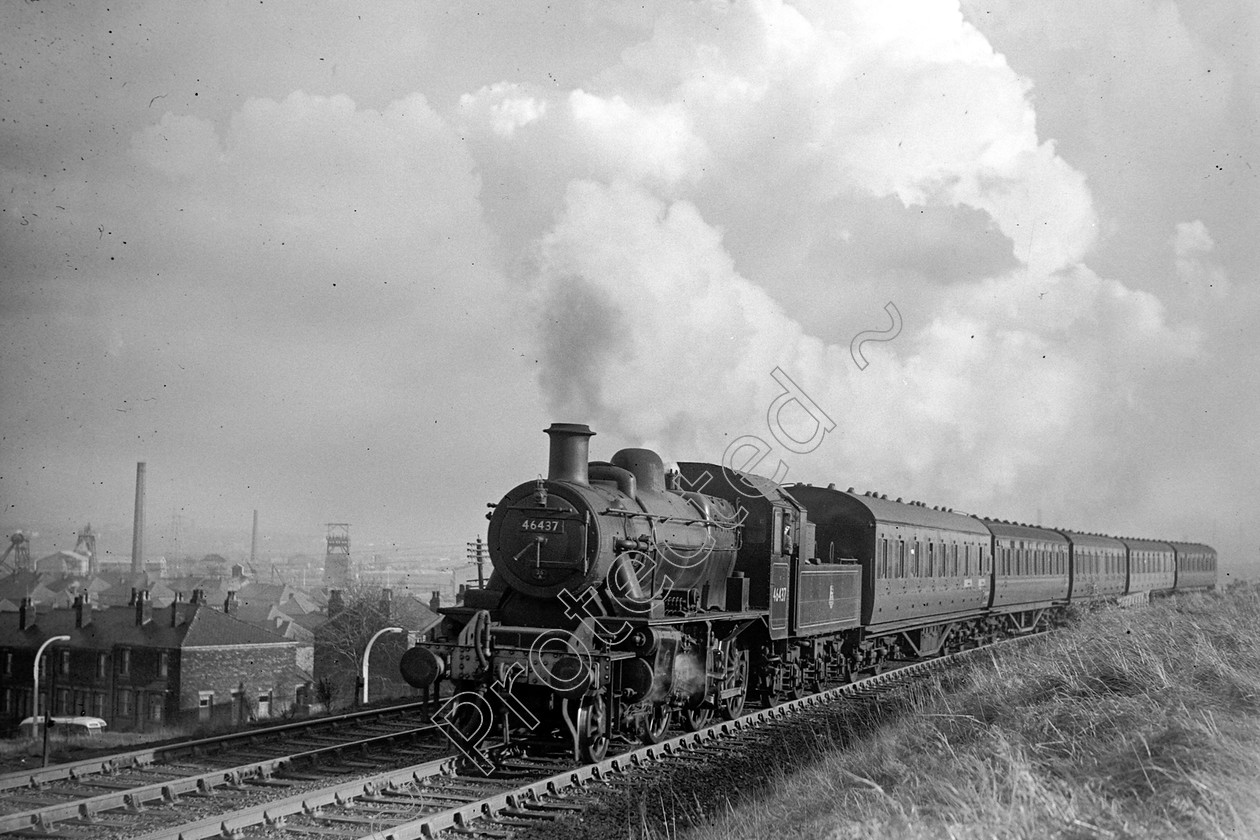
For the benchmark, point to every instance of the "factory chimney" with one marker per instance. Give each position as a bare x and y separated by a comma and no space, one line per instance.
253,542
137,529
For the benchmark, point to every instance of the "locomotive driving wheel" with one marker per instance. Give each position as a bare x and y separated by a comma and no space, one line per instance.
592,730
696,716
654,723
736,677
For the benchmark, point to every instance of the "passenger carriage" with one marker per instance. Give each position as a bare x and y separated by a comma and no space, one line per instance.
1098,566
1196,566
925,571
1152,566
1031,572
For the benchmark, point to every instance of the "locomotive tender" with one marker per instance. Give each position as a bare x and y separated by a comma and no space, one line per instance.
624,597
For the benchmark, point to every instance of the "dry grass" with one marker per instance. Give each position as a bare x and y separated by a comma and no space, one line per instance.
1130,723
26,753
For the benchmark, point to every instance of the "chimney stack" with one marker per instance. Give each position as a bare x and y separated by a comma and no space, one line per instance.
435,600
230,603
137,529
198,596
26,614
569,456
175,602
144,608
82,612
253,541
335,604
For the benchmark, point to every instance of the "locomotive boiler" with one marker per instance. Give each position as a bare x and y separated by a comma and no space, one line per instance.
594,620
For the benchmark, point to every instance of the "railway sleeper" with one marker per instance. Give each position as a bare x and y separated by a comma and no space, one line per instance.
460,829
260,781
532,814
35,831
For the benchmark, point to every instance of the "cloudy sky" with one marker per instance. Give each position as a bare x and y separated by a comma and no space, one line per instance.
343,262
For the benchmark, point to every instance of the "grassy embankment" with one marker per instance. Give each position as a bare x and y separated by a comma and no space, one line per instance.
1129,723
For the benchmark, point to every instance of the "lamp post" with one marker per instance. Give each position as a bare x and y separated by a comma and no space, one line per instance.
35,697
367,654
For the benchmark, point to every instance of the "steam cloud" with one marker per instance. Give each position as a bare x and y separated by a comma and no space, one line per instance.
735,117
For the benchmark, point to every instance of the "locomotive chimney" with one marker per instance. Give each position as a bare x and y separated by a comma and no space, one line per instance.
570,451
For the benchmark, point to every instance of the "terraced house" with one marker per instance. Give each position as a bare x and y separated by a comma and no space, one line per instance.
139,667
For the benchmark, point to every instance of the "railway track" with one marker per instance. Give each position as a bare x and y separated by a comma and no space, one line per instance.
160,753
523,794
121,795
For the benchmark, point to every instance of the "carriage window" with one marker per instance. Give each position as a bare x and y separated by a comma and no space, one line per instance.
776,533
901,558
931,560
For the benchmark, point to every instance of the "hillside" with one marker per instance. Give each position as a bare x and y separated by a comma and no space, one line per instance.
1128,723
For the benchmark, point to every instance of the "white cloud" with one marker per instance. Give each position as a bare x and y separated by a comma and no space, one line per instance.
1011,386
637,142
504,106
1202,278
652,334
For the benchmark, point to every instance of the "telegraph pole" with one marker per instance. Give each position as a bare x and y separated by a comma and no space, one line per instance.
477,554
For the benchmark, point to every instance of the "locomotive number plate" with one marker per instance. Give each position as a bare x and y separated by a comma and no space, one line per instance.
543,526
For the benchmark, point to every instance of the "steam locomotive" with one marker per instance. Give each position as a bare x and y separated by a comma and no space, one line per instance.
625,597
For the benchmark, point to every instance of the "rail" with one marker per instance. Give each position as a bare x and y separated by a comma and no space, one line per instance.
37,777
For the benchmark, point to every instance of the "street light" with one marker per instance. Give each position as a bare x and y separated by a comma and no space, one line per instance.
35,699
367,653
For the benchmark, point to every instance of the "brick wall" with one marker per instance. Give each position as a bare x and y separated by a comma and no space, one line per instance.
224,672
137,697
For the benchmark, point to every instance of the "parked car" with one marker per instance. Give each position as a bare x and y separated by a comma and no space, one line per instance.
63,726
